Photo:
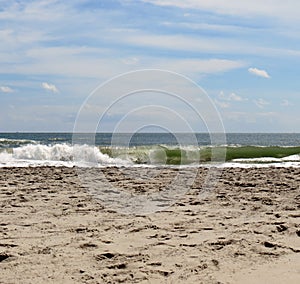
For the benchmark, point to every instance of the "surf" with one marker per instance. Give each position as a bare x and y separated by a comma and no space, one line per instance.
172,155
148,149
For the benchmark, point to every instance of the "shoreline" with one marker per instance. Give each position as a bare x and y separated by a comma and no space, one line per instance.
53,230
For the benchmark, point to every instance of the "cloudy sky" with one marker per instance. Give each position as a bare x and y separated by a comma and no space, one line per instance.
244,54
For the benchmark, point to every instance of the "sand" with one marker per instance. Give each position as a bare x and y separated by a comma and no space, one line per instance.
246,230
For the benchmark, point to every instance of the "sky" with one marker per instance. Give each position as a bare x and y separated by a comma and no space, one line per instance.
244,54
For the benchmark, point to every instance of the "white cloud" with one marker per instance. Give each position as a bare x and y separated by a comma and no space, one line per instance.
5,89
231,97
24,47
247,116
130,61
261,103
210,27
259,72
50,87
235,97
222,104
286,103
196,66
286,11
99,63
183,43
210,45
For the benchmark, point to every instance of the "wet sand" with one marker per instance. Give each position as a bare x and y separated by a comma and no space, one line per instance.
246,230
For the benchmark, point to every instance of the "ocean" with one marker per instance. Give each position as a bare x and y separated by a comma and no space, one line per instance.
149,149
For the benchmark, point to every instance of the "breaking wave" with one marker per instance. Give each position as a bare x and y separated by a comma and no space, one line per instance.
173,155
57,155
84,155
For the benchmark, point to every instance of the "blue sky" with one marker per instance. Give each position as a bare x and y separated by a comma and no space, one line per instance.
245,54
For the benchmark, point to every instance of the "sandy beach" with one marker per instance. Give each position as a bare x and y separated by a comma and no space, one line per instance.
247,230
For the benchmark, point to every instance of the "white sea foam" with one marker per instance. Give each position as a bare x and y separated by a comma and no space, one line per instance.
263,165
257,160
17,140
6,142
292,158
57,155
289,160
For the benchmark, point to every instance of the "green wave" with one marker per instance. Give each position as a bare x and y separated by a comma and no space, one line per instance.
188,155
248,152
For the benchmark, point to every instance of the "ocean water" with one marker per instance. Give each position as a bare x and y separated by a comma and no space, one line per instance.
150,149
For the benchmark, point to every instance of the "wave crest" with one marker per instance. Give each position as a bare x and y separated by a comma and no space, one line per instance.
66,153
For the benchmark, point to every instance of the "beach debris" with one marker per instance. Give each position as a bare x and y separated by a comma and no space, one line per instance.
165,273
88,245
269,245
3,256
118,266
106,255
155,263
281,228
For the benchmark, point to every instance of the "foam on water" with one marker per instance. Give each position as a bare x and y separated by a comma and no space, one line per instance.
57,155
62,154
291,158
294,158
7,143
